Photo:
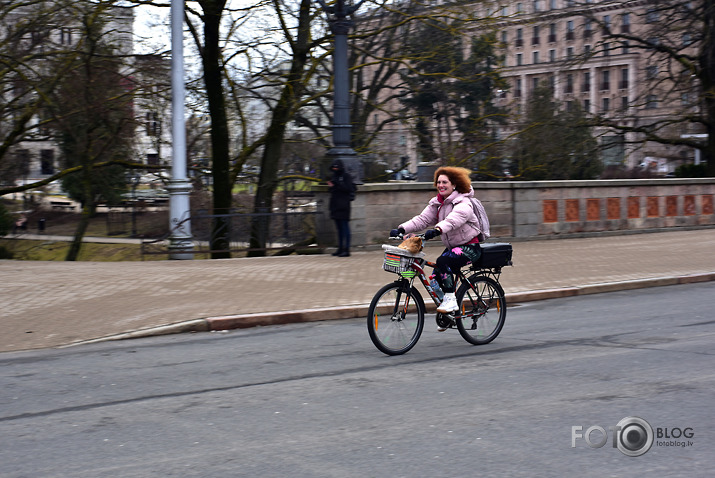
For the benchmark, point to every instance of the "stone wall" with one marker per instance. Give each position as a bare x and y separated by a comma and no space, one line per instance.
536,208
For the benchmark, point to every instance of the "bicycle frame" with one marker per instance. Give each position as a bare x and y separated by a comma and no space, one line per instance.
460,276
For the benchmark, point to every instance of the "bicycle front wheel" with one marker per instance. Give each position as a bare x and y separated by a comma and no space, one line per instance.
482,310
396,318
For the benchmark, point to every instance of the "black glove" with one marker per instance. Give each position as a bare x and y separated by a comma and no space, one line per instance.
397,232
432,233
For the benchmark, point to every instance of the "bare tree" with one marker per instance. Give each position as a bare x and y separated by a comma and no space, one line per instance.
92,117
677,40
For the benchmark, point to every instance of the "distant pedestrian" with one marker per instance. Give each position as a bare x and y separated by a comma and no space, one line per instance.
342,192
20,225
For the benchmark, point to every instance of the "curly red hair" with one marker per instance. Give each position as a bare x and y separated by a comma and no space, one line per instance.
457,176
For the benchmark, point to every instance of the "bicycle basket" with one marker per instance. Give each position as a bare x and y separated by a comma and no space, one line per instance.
399,260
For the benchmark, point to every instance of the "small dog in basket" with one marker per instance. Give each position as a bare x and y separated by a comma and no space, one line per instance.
412,245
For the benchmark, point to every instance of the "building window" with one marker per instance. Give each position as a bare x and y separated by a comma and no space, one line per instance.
23,161
519,8
606,49
605,80
651,15
535,57
624,103
152,158
586,85
626,23
552,33
605,104
624,79
587,49
504,38
587,28
519,60
47,161
534,84
569,106
537,5
552,56
535,39
624,46
651,102
65,36
687,40
569,30
651,71
569,52
517,89
569,83
43,124
587,106
153,126
606,24
552,5
519,37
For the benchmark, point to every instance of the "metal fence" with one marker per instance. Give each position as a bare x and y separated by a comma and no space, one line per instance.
283,231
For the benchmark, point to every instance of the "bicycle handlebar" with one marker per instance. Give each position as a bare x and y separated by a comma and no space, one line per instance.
401,237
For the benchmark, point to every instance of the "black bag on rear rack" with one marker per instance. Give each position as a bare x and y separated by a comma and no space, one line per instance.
496,254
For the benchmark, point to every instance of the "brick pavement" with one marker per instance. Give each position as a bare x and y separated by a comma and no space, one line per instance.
50,304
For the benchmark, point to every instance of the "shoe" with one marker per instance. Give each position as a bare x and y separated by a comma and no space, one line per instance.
449,304
344,254
441,328
338,252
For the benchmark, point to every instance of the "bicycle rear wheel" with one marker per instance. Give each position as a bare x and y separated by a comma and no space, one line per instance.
396,318
483,310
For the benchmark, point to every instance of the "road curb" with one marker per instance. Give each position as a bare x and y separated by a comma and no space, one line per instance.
243,321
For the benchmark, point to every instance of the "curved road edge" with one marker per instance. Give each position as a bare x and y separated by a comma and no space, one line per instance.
229,322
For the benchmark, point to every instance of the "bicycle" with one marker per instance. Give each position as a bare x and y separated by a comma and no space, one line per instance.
396,315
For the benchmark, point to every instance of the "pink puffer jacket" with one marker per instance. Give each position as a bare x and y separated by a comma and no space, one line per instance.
456,219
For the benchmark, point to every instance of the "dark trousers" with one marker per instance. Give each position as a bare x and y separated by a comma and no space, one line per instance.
343,227
453,259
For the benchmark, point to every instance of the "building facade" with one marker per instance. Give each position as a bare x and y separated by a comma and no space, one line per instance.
591,53
36,33
602,56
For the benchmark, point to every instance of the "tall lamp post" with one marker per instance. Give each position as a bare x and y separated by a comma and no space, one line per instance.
340,26
180,243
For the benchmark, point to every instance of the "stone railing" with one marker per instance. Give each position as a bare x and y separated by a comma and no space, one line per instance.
536,208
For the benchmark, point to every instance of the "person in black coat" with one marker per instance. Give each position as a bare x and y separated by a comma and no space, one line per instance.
342,191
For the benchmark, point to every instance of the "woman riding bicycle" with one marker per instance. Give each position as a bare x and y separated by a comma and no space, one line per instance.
452,217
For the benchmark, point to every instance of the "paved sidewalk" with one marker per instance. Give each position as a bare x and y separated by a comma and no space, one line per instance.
51,304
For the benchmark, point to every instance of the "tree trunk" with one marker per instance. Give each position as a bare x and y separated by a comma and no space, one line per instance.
88,209
76,245
283,112
213,74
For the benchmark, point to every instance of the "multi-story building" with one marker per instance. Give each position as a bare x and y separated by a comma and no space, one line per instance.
594,54
583,52
43,30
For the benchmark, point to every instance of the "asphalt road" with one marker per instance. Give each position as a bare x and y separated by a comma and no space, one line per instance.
318,400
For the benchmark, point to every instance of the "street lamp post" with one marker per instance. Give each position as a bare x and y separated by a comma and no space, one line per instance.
133,178
180,239
340,26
